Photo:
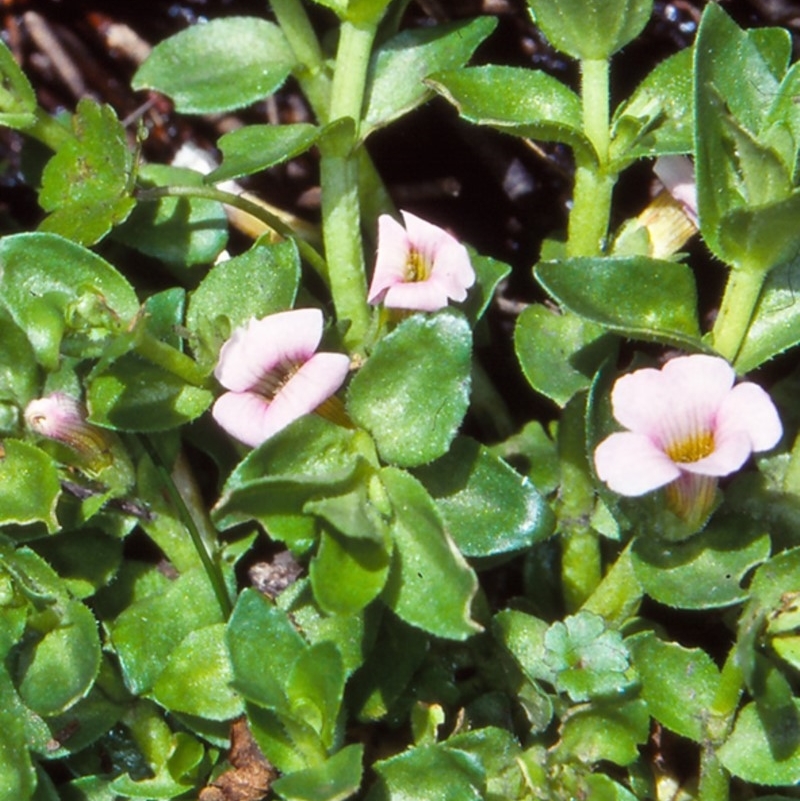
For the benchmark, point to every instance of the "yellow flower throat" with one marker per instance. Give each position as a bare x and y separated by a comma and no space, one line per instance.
692,449
417,266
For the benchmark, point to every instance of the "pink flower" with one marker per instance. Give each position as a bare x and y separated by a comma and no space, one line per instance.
62,418
687,425
677,175
274,374
419,267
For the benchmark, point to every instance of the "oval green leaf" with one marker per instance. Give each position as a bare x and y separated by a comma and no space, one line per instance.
636,296
488,508
430,584
517,101
221,65
399,66
413,391
705,571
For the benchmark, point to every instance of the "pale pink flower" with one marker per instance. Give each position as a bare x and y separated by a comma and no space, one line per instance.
274,375
687,425
62,418
677,175
418,267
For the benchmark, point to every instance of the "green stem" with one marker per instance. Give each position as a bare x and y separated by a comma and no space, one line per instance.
736,312
210,566
714,783
341,210
307,252
729,690
591,200
48,130
311,73
581,564
619,594
171,359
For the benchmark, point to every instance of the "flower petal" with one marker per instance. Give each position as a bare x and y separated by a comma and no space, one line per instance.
391,262
749,408
241,414
252,419
313,383
426,296
729,454
632,465
675,403
261,345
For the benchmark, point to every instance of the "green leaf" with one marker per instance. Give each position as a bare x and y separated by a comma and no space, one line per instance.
605,731
149,630
413,391
524,636
449,775
488,275
487,507
335,780
590,29
430,585
132,394
704,572
179,230
17,775
254,148
658,118
679,684
586,659
518,101
347,573
311,458
775,326
395,83
636,296
86,561
743,165
196,678
55,288
261,281
264,646
19,373
560,352
86,184
221,65
764,751
17,98
58,664
315,686
29,486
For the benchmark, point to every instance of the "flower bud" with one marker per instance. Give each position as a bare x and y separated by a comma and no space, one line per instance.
62,418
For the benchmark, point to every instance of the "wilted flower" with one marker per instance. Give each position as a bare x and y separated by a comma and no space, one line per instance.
687,425
418,267
274,374
62,418
677,175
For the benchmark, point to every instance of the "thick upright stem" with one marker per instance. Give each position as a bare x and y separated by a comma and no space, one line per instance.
736,312
297,29
581,564
591,201
341,211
